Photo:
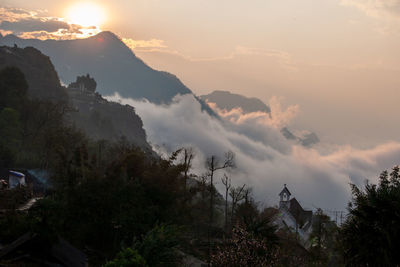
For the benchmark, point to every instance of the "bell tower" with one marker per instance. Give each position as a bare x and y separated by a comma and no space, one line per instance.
284,197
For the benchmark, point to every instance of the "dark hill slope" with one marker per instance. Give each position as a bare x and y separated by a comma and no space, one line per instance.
98,118
39,71
114,66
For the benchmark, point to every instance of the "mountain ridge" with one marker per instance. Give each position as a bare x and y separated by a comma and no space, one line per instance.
227,100
114,66
94,115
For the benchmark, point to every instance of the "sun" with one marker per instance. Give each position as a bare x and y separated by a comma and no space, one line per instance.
86,14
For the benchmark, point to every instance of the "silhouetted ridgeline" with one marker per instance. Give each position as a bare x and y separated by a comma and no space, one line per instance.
114,66
39,71
97,117
227,100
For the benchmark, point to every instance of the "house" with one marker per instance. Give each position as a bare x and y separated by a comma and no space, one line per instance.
16,179
293,217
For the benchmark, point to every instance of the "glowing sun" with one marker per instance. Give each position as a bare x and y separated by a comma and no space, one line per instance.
86,14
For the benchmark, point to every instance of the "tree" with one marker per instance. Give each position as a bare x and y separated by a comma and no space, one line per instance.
236,194
226,181
244,250
10,132
187,163
371,234
213,165
323,239
127,258
159,245
13,88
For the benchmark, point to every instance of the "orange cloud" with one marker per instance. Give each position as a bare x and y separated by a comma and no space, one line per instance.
144,44
31,24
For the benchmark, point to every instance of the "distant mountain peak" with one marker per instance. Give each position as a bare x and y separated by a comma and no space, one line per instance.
111,62
227,100
107,35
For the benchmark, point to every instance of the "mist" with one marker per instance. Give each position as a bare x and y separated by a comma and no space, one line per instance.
318,177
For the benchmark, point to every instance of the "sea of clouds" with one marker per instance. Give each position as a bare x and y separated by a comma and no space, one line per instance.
265,160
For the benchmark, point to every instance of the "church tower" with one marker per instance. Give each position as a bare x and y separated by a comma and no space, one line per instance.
285,198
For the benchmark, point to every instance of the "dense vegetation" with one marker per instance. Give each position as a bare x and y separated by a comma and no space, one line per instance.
371,234
126,207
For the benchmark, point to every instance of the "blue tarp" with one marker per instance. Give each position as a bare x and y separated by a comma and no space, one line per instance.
17,174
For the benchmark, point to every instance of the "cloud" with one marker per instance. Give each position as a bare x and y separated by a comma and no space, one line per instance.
277,119
377,8
265,160
36,24
15,14
144,44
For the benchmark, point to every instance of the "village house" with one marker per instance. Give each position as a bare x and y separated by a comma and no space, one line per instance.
293,217
16,179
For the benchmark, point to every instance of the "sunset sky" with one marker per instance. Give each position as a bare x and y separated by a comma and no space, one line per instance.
338,60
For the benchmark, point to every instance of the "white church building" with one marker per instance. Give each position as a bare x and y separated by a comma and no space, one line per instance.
293,217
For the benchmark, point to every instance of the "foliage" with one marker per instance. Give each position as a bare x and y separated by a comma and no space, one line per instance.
159,245
259,224
10,132
127,258
371,234
244,249
13,88
323,239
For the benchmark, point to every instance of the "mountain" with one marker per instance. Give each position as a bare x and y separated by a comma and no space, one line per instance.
101,119
94,115
114,66
38,69
308,139
227,100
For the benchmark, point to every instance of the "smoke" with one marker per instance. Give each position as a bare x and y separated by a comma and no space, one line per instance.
265,159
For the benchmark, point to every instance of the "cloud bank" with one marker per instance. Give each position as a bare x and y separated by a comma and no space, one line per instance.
265,159
33,24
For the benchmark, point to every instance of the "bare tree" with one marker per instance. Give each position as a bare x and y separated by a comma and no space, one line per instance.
213,165
188,156
236,194
185,162
226,181
247,194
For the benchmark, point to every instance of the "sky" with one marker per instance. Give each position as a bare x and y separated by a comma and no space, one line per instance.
337,61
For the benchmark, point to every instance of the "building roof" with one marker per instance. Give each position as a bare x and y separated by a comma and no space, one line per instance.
285,190
302,216
17,174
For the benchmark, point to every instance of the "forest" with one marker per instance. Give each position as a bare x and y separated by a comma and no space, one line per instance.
122,206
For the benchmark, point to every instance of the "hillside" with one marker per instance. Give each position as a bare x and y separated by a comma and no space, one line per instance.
38,69
114,66
98,118
101,119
